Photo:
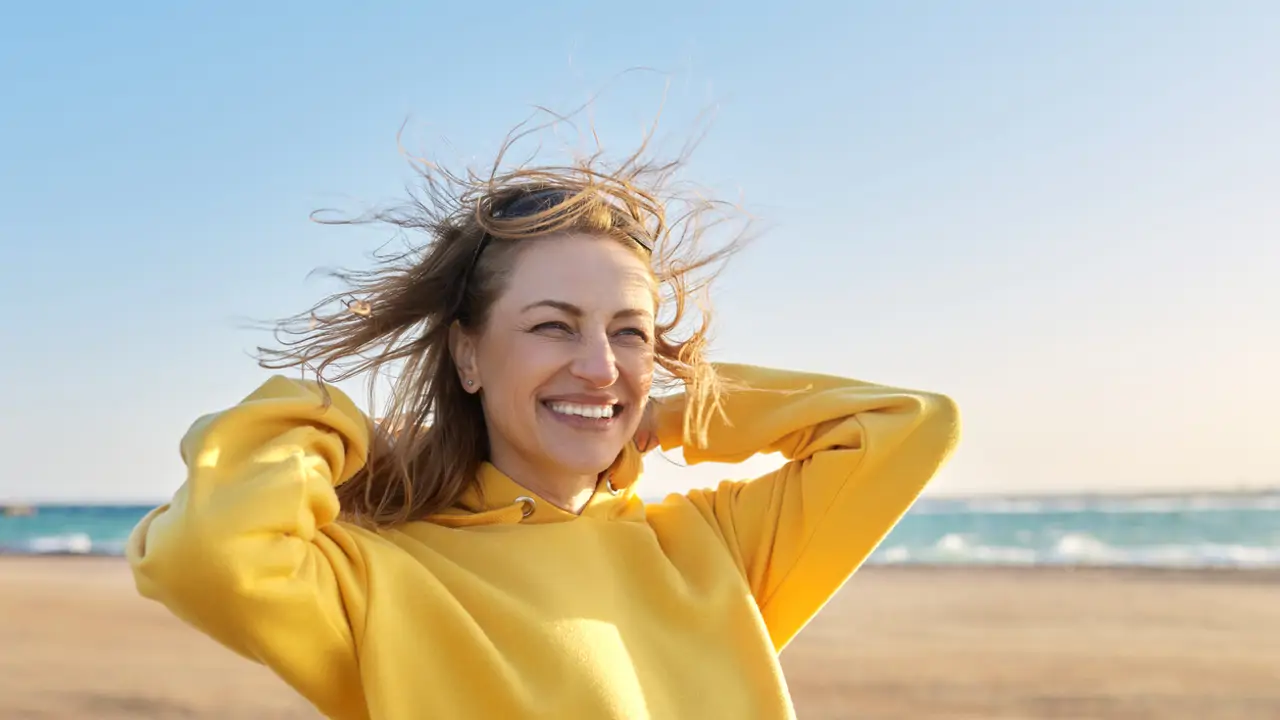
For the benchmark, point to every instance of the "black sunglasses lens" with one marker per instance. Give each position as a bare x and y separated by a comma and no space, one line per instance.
533,203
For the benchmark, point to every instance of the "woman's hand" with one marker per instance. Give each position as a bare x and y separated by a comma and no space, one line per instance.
646,437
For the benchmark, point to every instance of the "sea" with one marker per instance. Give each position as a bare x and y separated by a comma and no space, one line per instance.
1228,530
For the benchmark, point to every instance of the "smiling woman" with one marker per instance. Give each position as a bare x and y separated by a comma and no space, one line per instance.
483,551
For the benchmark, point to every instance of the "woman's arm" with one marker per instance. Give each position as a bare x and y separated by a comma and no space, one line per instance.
859,454
247,551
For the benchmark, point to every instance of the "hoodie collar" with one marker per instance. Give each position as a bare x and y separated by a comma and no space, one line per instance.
496,499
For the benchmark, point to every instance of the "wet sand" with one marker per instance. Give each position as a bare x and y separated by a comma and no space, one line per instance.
76,642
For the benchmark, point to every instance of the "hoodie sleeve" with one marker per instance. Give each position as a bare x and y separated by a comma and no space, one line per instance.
858,456
248,552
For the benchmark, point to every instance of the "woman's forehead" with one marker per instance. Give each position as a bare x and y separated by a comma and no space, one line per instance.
593,273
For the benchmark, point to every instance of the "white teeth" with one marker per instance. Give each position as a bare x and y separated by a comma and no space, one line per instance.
586,411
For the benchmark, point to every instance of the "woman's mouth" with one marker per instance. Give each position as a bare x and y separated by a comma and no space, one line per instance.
591,411
584,415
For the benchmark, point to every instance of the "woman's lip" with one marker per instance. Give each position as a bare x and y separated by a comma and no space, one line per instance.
617,407
582,400
582,423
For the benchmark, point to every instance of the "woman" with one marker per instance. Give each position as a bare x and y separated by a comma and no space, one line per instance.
481,551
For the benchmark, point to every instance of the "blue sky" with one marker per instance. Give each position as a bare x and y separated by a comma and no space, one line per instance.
1064,215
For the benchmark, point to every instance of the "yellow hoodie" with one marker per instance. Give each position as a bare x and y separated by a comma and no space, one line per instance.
515,608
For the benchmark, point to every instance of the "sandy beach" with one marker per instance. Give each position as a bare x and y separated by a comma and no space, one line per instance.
896,643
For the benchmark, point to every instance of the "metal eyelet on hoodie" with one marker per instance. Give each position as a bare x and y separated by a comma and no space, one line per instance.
608,484
527,505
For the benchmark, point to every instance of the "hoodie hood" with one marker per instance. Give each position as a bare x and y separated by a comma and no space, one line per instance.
496,499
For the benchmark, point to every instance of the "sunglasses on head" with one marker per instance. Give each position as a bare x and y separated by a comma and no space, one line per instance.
531,204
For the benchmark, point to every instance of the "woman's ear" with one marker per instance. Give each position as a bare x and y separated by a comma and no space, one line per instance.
462,347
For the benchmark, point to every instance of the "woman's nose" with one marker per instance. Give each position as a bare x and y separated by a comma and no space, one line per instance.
596,362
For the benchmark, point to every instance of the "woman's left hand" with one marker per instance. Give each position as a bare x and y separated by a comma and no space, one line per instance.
646,437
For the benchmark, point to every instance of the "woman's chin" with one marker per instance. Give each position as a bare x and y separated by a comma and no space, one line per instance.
586,461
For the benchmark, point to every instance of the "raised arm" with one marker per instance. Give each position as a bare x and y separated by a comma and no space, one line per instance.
859,454
247,550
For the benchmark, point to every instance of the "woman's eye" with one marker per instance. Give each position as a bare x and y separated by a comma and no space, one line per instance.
554,326
637,332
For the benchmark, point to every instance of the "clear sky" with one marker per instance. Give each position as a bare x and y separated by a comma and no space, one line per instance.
1064,215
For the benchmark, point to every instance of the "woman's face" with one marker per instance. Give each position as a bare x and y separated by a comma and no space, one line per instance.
565,360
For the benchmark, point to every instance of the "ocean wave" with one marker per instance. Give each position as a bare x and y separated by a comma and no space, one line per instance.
1080,549
1154,531
75,543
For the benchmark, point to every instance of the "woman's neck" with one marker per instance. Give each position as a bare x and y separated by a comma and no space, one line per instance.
568,492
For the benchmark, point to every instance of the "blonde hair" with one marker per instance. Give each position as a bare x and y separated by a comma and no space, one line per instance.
399,312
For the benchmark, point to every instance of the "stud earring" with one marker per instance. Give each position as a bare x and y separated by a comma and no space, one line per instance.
470,383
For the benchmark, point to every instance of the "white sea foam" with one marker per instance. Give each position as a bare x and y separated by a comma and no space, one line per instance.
68,544
1081,549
